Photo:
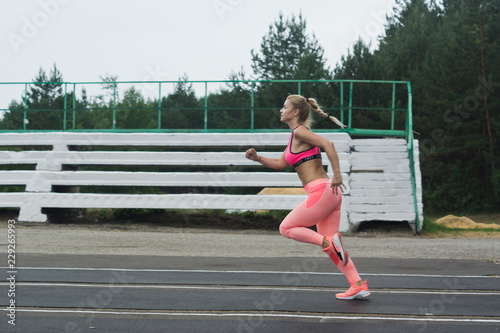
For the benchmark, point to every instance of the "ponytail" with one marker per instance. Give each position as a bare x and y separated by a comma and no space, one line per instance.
317,109
305,105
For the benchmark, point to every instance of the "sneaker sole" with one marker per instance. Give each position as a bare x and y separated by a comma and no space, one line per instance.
361,294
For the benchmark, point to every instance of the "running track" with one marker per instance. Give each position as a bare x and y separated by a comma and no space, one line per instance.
88,293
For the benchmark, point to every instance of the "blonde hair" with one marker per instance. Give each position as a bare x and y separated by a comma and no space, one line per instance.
304,105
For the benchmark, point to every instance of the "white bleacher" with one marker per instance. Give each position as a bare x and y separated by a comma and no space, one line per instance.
364,173
380,177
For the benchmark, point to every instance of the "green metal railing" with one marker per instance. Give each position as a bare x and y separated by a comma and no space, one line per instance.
345,106
411,156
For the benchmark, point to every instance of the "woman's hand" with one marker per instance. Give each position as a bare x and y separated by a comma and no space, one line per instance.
251,154
337,183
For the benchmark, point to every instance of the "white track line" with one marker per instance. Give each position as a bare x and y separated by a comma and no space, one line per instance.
246,288
204,271
261,315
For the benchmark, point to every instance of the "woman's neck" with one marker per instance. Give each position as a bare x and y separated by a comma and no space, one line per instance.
293,125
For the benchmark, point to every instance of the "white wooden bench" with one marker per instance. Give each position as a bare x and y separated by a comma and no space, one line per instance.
375,171
221,150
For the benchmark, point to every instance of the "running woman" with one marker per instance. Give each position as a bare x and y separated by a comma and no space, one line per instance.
324,196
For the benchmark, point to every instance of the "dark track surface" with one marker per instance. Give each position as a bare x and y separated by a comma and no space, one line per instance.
83,293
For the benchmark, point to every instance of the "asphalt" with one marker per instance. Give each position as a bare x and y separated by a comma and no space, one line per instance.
167,241
88,279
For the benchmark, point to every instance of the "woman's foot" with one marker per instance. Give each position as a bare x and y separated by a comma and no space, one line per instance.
334,245
357,290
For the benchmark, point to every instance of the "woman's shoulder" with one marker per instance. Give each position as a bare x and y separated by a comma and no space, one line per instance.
301,129
302,133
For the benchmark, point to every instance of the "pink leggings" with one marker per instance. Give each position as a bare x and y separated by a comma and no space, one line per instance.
321,208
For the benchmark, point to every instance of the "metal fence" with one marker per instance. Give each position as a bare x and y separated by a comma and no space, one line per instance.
346,105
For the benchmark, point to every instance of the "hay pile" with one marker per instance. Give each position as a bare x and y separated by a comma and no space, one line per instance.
452,221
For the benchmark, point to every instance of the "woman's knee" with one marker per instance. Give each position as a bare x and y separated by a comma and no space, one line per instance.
284,229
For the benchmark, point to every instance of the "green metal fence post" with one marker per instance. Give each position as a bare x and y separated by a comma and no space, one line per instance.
350,105
299,88
65,105
393,104
74,105
159,105
206,106
409,129
25,105
342,102
114,106
252,123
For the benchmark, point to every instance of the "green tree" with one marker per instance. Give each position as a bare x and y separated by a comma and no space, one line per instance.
232,103
410,38
359,64
288,52
83,114
181,109
43,96
450,56
103,105
13,118
134,113
464,98
362,64
45,103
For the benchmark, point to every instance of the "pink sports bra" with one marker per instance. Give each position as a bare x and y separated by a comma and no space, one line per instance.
296,159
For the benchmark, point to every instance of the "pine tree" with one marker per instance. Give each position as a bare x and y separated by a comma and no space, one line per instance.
448,55
232,104
44,95
181,109
288,52
134,113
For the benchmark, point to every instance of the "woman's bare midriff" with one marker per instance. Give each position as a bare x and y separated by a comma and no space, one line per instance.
311,170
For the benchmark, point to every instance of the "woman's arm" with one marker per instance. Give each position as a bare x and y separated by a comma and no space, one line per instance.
272,163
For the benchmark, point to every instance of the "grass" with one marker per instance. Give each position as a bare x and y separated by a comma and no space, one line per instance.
430,226
213,212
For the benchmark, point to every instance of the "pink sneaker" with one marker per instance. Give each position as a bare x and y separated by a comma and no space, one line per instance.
355,292
337,247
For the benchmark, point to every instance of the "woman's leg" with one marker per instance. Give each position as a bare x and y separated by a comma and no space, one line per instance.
296,223
328,227
308,213
321,208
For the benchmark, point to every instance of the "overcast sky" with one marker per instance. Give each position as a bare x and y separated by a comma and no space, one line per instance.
162,40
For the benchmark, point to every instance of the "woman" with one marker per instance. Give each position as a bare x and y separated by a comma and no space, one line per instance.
322,206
